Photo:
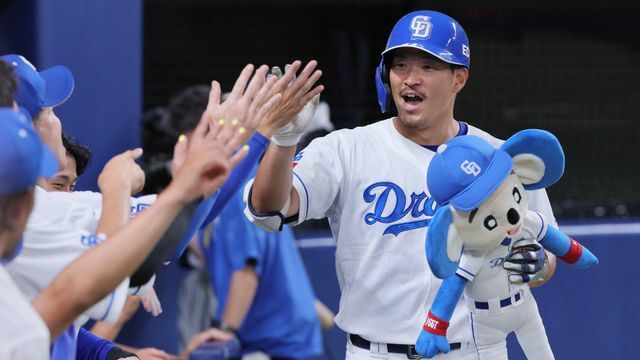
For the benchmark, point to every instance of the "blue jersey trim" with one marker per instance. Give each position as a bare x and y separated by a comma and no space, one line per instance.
473,335
468,272
113,295
464,129
306,194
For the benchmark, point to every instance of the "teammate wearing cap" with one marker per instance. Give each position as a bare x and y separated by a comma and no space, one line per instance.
38,93
206,162
22,160
370,183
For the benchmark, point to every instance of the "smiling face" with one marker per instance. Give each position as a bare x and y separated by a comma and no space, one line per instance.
423,87
500,216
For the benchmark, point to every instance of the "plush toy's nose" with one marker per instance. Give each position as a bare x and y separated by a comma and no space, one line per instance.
513,216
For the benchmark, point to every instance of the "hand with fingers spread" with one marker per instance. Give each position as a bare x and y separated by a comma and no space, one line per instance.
290,117
248,101
211,153
122,173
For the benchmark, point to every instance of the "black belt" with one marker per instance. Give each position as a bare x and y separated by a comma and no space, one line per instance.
484,305
409,350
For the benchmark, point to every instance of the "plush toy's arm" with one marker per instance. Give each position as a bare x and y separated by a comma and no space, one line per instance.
568,249
432,339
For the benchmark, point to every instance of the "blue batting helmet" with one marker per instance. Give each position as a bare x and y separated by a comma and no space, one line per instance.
430,31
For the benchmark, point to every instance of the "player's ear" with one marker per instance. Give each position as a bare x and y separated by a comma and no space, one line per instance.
443,244
538,159
460,76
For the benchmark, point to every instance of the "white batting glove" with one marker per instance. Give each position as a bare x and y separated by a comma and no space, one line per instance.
151,303
290,134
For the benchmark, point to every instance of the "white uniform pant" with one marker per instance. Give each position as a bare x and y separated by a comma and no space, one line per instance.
490,330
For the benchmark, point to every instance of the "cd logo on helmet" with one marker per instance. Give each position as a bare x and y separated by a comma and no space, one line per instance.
421,26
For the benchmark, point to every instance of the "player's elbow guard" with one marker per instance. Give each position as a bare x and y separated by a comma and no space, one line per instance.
270,221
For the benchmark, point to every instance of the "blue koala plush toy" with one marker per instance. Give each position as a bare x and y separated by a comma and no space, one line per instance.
482,218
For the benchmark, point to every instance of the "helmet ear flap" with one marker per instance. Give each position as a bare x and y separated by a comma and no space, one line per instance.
382,86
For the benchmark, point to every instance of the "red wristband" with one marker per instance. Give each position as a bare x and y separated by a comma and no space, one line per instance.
435,325
574,253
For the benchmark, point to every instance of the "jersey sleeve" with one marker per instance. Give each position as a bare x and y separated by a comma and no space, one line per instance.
91,347
138,204
109,308
317,175
536,225
539,202
470,263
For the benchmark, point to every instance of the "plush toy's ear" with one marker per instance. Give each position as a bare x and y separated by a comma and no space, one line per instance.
443,245
538,159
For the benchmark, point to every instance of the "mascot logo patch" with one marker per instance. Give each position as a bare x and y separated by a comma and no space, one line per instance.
470,167
391,205
421,27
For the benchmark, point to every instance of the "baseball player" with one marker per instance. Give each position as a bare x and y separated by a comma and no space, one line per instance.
369,182
24,334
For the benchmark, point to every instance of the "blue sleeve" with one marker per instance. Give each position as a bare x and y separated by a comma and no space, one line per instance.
236,239
448,296
210,207
241,242
91,347
257,146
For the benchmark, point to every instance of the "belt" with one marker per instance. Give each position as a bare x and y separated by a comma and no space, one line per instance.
484,305
409,350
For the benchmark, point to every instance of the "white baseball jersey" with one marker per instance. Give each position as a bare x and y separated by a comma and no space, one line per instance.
371,184
60,228
24,335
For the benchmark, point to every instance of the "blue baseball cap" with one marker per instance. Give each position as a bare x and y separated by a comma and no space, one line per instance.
38,90
23,158
432,32
465,171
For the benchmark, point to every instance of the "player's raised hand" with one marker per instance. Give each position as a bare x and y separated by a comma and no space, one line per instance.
211,153
122,173
297,91
246,104
429,345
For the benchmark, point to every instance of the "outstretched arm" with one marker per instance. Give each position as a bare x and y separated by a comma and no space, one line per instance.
272,187
90,277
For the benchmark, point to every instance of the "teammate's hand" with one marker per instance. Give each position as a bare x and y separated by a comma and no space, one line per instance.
429,345
153,354
121,173
526,262
49,128
296,91
248,101
212,334
212,153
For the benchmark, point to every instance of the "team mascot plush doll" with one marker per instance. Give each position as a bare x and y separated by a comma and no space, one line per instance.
481,219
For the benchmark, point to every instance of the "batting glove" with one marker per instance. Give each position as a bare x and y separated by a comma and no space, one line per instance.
290,134
526,262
